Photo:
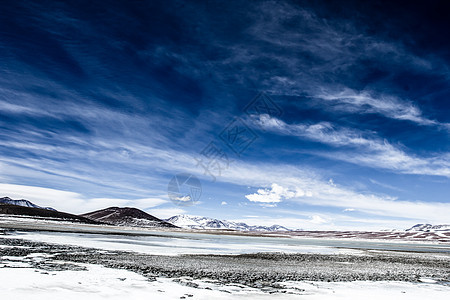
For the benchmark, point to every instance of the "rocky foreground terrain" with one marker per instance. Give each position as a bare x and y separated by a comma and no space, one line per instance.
262,270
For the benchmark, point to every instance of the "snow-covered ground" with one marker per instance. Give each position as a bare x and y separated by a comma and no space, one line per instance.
20,281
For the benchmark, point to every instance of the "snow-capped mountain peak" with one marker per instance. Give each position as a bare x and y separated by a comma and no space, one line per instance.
182,221
22,202
193,222
429,227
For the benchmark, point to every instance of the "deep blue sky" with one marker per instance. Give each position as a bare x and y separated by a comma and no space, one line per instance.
103,103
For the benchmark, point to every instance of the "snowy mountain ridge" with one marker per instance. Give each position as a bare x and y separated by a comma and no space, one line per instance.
192,222
429,227
22,202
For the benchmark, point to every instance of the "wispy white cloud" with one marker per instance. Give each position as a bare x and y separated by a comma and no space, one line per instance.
385,185
333,49
325,221
338,43
70,201
318,220
322,194
349,209
367,102
364,148
165,213
186,198
143,203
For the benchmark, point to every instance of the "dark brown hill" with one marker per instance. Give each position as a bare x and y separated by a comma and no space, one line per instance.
11,209
126,216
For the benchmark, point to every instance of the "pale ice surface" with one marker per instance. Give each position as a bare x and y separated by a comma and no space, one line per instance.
168,244
175,243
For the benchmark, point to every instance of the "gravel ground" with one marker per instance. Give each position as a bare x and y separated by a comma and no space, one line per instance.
262,270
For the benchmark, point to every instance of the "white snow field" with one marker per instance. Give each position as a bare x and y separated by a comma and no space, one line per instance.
22,282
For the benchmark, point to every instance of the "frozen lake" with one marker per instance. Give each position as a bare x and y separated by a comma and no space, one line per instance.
173,243
166,242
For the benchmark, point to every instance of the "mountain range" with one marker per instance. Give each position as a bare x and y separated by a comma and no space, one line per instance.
429,228
26,208
129,216
191,222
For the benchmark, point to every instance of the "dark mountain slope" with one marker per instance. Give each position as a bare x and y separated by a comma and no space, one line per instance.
11,209
126,216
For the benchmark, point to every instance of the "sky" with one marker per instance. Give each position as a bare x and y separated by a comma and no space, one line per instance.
314,115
